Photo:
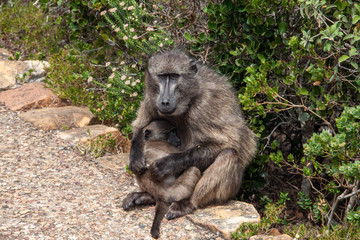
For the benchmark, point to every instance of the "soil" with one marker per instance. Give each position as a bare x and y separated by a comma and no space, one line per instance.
49,191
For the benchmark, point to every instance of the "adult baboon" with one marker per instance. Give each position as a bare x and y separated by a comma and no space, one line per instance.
213,133
160,141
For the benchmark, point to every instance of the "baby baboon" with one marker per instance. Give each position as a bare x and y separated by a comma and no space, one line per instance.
160,141
214,135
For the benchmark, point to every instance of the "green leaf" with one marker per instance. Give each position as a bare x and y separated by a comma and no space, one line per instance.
235,53
304,91
355,65
320,105
187,36
355,39
58,20
261,57
275,144
357,6
327,45
303,117
283,27
73,26
356,18
83,22
349,36
341,5
352,52
202,36
343,58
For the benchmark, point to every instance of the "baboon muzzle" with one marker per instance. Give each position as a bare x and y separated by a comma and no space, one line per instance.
167,101
166,96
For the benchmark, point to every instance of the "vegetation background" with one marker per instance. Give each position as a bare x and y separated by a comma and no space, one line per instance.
293,63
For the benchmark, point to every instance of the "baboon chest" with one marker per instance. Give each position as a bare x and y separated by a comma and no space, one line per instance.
183,131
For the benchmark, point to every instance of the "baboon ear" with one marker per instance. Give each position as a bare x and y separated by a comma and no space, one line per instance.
193,67
147,134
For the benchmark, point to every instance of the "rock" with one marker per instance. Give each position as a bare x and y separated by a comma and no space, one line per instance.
5,54
225,219
273,232
114,162
16,72
58,118
37,70
9,70
30,96
84,135
267,237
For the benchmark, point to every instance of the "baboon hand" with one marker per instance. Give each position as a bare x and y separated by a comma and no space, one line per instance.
137,166
160,169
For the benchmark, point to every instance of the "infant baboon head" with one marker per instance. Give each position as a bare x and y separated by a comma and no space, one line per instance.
161,130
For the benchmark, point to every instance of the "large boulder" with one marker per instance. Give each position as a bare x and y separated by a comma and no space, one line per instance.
19,72
9,71
58,118
29,96
225,219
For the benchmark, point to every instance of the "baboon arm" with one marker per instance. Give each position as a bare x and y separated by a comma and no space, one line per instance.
200,156
137,159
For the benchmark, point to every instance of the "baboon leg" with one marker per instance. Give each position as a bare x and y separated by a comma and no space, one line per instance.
146,184
160,211
137,198
184,185
219,183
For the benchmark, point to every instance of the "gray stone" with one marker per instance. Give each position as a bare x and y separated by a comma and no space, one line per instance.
19,72
84,135
30,96
58,118
225,219
36,70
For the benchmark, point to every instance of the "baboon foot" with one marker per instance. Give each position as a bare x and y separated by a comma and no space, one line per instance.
179,209
137,198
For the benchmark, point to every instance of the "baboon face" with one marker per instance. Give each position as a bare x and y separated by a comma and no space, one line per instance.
161,130
172,77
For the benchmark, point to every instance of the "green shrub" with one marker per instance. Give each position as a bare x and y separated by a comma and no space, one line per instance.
21,24
338,155
68,77
137,33
295,66
273,216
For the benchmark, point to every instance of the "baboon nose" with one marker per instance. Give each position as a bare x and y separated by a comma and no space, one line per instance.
165,102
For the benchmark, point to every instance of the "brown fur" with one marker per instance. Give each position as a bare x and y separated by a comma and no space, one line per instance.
160,142
213,133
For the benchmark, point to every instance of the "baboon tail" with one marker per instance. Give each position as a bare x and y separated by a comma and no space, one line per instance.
160,211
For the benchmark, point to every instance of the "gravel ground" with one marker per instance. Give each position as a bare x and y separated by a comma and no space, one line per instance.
49,191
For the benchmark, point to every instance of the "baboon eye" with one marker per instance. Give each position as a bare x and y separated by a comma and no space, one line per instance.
174,76
171,76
